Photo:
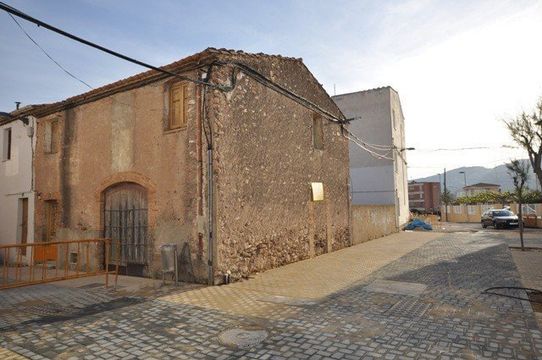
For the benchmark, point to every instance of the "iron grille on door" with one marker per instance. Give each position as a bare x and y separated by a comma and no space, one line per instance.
126,219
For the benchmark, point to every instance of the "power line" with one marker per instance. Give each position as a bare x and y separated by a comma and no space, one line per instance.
360,144
470,148
46,54
22,15
254,74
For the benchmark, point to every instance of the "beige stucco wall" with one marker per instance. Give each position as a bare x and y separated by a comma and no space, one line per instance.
461,213
372,221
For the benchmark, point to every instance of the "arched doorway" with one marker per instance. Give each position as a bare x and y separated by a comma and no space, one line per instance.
126,220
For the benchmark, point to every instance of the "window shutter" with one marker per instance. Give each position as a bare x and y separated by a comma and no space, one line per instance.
178,105
185,105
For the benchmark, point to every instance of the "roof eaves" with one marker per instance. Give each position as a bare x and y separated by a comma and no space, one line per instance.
186,64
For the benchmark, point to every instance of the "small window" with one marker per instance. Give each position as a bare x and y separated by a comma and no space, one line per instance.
51,142
178,105
317,132
393,118
6,153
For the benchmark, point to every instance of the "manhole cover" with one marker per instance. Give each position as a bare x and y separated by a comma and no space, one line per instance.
242,338
396,287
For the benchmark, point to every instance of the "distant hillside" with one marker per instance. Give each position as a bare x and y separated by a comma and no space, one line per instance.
476,174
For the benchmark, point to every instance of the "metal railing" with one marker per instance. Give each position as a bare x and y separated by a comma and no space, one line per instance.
37,263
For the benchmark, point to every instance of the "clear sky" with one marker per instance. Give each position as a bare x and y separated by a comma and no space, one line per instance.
460,66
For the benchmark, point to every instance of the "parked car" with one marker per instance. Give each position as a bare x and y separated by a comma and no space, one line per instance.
499,219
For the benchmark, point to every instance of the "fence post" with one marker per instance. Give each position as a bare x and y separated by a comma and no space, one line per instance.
117,264
107,242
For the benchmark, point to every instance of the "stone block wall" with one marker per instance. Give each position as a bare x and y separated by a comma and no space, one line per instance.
265,163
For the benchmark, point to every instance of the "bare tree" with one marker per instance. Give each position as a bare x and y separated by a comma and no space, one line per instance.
526,130
519,171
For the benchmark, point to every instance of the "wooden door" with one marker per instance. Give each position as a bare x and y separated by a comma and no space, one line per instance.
126,221
48,252
51,207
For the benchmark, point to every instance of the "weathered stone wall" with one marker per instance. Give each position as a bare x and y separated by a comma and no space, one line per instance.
124,138
372,222
265,162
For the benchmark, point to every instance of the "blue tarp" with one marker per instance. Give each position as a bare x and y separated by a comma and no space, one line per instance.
418,224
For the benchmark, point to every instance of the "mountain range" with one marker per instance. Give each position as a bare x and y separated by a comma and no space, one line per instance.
479,174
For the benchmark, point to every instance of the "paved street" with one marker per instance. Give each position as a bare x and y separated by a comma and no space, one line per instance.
413,295
532,236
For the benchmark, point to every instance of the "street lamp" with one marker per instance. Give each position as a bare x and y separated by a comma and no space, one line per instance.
408,148
465,179
464,176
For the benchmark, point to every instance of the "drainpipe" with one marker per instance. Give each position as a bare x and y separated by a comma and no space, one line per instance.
210,186
210,205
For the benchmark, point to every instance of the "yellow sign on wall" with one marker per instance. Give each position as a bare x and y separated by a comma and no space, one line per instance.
317,191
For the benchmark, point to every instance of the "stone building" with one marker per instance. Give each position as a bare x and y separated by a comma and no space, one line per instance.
379,120
223,160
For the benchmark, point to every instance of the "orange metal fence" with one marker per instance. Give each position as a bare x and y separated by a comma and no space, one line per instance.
35,263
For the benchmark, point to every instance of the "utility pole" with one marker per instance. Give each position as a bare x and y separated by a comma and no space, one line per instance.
445,194
464,177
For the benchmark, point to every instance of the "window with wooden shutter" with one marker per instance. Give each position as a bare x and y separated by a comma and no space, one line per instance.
178,104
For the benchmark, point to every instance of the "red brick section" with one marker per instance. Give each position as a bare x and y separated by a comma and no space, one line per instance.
132,177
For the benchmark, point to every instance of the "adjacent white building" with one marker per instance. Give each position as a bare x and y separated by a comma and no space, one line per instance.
379,121
16,182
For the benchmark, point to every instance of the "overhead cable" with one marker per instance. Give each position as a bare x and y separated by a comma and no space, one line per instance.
254,74
22,15
49,56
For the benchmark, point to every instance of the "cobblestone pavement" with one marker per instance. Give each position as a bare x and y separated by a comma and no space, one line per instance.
443,316
532,236
529,264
